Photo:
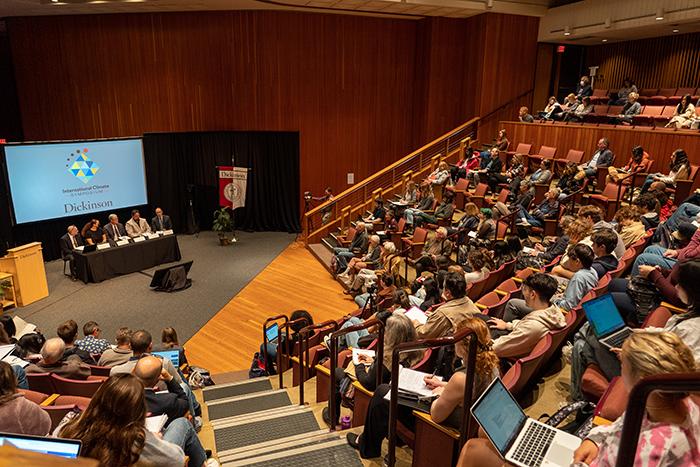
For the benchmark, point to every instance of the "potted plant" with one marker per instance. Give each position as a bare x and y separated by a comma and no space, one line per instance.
223,225
4,290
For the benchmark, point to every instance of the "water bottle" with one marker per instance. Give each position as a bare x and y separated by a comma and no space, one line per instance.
345,422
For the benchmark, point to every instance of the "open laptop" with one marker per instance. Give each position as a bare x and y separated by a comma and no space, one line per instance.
519,439
69,448
172,355
271,333
606,321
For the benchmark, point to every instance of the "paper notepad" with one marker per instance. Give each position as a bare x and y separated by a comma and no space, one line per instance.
416,314
411,384
5,350
529,250
357,352
156,423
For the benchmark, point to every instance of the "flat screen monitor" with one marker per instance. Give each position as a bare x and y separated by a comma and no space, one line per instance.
63,179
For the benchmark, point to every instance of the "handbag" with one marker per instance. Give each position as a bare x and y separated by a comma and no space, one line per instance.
257,367
644,295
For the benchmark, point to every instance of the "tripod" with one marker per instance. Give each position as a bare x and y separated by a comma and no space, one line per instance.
371,303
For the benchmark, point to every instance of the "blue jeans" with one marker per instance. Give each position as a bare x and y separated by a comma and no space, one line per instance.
652,256
647,183
21,377
350,339
195,409
181,432
685,212
533,221
343,256
409,213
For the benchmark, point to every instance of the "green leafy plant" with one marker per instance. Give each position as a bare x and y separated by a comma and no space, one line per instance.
223,224
4,287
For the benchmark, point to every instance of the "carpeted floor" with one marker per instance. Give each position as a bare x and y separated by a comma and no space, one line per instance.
218,274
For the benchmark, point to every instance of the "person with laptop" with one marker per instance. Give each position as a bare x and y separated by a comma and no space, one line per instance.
18,414
172,402
668,436
520,336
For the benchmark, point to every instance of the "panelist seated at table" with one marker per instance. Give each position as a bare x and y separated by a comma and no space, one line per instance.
93,234
161,221
136,226
69,242
114,229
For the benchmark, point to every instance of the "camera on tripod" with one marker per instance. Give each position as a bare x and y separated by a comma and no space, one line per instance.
307,196
372,289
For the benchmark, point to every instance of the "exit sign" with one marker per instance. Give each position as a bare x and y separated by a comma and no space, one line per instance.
561,49
3,141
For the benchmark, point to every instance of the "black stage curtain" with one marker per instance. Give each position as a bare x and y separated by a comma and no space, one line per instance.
180,166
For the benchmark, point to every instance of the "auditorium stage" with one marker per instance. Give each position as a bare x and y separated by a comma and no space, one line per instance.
218,274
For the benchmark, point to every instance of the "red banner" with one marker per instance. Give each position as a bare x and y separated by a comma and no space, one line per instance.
225,180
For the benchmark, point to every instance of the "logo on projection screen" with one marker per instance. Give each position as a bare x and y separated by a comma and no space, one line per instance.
83,168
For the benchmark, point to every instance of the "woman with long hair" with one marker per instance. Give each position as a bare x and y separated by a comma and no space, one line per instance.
446,408
112,429
682,117
679,170
169,341
17,414
427,295
92,233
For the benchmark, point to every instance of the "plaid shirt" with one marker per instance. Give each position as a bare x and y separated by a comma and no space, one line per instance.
92,345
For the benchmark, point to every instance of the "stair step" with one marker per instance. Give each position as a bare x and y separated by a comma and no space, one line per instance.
322,253
291,442
241,433
240,405
236,389
331,453
260,415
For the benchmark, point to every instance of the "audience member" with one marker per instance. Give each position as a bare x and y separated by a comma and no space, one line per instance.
583,88
52,361
358,245
172,402
444,211
426,203
439,176
648,206
627,88
17,414
436,245
385,291
682,117
539,254
656,255
479,263
517,337
570,104
294,328
543,174
487,225
468,162
580,112
552,110
92,343
603,157
604,243
443,320
369,260
119,354
630,109
512,176
630,225
522,196
679,170
639,162
493,166
595,215
547,209
169,341
568,183
583,280
524,115
68,332
427,295
390,263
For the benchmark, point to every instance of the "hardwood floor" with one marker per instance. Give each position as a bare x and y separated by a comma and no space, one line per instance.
294,280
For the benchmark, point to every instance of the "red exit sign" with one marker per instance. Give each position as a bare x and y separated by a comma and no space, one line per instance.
561,49
3,141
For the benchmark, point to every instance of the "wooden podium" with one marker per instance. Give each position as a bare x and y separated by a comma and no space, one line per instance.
26,264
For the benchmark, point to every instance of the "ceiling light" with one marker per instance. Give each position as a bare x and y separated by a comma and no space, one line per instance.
676,31
659,14
605,40
567,31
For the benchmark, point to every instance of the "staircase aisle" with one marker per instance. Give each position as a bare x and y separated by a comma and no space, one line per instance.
254,424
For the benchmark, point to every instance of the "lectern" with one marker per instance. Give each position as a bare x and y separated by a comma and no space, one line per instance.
26,264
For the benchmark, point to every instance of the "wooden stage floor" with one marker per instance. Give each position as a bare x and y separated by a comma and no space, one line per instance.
294,280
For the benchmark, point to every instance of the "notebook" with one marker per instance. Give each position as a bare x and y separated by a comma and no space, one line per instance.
519,439
172,355
416,314
69,448
605,319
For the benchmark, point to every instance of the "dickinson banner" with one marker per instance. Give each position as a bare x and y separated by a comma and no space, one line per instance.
232,186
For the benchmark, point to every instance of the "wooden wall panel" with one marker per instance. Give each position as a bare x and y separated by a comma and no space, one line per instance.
662,62
658,143
361,91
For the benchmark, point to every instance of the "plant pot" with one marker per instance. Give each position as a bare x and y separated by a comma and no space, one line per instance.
224,240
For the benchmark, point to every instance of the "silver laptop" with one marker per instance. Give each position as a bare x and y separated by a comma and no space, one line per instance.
69,448
519,439
606,321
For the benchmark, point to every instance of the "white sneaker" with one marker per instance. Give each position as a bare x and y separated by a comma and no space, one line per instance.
566,352
197,424
211,462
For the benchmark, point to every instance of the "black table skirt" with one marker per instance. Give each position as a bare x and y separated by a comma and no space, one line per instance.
101,265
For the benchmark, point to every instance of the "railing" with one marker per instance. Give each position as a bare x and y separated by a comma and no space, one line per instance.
288,347
465,428
636,407
304,335
379,354
348,205
489,123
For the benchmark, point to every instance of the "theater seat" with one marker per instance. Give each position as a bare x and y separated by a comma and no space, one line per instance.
614,400
593,383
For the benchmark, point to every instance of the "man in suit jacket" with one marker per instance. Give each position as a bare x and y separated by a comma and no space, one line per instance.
137,226
114,229
173,403
161,221
69,242
603,157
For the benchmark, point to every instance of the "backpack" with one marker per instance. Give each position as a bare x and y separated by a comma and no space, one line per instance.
257,367
199,378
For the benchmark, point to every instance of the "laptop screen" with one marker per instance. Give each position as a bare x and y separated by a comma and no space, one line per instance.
172,355
271,332
69,448
603,315
499,415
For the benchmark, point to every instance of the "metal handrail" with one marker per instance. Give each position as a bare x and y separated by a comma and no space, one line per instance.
264,329
304,336
465,427
287,344
636,407
332,408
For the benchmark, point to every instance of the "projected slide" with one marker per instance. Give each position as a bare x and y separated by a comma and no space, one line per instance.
53,180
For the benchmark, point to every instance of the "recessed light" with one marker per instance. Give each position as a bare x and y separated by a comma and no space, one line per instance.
605,40
676,31
659,14
567,31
